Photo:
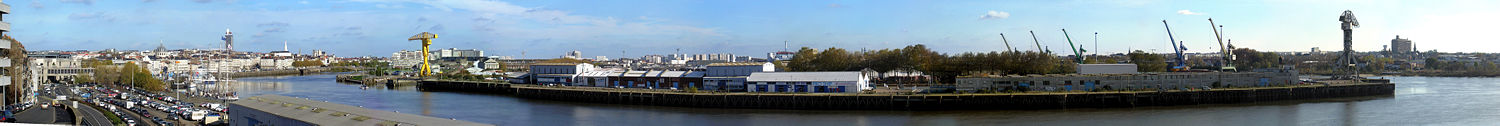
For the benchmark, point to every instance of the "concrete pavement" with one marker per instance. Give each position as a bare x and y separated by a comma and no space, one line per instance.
92,116
37,115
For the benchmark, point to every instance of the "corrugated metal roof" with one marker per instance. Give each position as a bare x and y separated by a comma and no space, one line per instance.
694,74
738,64
804,76
332,114
599,73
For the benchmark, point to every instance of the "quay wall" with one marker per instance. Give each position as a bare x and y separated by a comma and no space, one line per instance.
918,101
300,71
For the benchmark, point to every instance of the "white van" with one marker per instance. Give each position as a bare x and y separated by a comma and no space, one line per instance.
197,115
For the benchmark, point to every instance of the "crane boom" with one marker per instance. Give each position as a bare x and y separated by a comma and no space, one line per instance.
1180,65
1038,43
1007,42
1227,64
1077,55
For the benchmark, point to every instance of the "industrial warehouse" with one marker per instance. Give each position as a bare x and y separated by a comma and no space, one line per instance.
729,77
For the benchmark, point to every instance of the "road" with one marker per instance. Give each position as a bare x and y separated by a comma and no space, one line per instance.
37,115
93,117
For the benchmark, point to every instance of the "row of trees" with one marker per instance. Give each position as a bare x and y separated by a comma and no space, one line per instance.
307,63
1147,62
1249,59
919,58
128,74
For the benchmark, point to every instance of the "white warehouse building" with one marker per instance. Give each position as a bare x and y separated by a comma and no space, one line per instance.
809,82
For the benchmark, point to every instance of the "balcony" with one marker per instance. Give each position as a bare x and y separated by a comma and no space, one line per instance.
4,27
4,62
4,8
4,80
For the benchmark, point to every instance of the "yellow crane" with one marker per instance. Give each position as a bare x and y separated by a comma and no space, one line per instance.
426,40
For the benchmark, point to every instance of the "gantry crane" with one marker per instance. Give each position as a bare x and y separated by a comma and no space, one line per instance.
426,41
1347,61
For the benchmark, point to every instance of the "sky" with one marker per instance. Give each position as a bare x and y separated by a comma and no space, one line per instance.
616,28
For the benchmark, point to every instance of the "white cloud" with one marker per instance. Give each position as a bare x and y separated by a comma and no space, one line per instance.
302,2
1186,12
995,15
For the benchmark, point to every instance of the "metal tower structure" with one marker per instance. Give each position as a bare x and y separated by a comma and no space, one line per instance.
426,41
228,40
1347,60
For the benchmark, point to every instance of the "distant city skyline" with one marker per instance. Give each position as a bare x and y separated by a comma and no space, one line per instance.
630,29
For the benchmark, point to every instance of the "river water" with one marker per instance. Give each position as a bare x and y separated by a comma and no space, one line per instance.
1418,101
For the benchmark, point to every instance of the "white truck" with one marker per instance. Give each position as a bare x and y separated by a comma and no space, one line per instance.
197,115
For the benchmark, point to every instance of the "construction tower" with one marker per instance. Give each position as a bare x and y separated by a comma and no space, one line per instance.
426,41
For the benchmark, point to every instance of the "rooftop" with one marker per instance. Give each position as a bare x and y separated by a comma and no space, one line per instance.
324,113
555,64
804,76
738,64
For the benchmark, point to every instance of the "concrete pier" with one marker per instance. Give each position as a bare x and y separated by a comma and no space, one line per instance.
917,101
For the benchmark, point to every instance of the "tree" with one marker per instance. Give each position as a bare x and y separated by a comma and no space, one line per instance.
803,60
1433,64
307,63
1249,59
834,59
84,79
1146,62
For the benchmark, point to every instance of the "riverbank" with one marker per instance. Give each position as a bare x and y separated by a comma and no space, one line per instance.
299,71
916,101
375,80
1424,73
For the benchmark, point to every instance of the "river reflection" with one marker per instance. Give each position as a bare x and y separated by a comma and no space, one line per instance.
1418,101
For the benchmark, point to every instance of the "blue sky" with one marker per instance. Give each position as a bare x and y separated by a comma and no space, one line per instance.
546,29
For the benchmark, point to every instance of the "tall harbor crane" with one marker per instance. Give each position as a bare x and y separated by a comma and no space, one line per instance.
1228,59
426,41
1181,64
1347,61
1007,43
1038,43
1077,53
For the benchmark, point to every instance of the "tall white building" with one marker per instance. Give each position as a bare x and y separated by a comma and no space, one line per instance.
455,52
405,58
575,54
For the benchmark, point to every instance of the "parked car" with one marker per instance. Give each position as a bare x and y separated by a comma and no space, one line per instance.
8,117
